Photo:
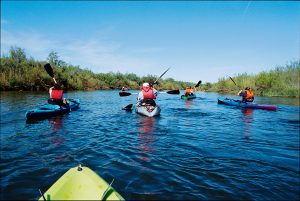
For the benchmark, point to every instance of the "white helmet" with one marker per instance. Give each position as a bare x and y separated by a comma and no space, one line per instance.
146,84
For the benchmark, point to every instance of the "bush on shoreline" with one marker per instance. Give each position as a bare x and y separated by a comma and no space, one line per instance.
21,73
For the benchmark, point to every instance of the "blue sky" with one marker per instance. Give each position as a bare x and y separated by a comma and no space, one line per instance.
199,40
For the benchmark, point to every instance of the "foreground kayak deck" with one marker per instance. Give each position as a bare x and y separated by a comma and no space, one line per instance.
49,110
191,96
81,183
148,110
238,103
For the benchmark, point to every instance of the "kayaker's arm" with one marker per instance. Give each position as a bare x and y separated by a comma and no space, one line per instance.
155,92
139,98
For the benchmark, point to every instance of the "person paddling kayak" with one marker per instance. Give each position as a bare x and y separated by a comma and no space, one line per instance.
56,95
124,89
147,94
146,101
189,91
247,95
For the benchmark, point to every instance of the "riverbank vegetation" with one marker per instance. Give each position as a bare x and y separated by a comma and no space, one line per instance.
281,81
21,73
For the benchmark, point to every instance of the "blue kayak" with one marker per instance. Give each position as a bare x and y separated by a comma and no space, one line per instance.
50,110
251,105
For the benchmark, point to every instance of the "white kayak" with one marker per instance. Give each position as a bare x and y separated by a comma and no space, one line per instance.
148,110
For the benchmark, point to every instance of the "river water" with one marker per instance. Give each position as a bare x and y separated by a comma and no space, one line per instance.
194,150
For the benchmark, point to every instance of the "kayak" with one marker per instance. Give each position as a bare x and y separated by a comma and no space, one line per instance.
148,110
50,110
251,105
124,93
81,183
147,107
191,96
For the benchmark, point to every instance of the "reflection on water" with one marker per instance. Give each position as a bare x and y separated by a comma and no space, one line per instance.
247,119
57,125
146,136
188,103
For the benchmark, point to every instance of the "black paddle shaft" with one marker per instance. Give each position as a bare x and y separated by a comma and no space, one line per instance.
233,81
160,76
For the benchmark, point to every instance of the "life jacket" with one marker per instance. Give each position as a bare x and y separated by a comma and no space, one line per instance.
56,94
249,94
148,94
188,91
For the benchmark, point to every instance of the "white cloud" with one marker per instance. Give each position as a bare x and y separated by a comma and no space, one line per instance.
99,55
35,45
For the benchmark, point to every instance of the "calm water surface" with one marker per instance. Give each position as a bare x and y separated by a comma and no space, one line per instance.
195,150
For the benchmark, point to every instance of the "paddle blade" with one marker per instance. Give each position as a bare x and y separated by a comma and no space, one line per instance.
124,93
128,107
197,85
49,69
173,92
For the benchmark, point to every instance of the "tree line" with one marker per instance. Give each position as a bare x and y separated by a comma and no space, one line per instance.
21,73
281,81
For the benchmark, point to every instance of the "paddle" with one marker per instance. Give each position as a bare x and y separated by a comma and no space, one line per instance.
128,107
124,93
160,76
49,70
233,81
197,85
170,92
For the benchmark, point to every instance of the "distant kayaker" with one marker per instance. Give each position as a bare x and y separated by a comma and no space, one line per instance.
189,91
247,95
56,95
147,95
124,88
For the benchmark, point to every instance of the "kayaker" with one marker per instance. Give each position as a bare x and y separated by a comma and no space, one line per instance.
189,91
147,94
124,88
247,95
56,95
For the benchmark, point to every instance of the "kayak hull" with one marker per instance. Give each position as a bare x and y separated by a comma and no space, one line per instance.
124,93
184,97
250,105
49,110
148,110
81,183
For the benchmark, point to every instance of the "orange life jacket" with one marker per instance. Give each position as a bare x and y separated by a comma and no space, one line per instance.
249,94
188,91
148,94
56,94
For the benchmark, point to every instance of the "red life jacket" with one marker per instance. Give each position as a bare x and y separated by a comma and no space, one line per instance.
56,94
148,94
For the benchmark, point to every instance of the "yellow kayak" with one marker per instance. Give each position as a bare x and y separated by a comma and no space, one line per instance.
81,183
